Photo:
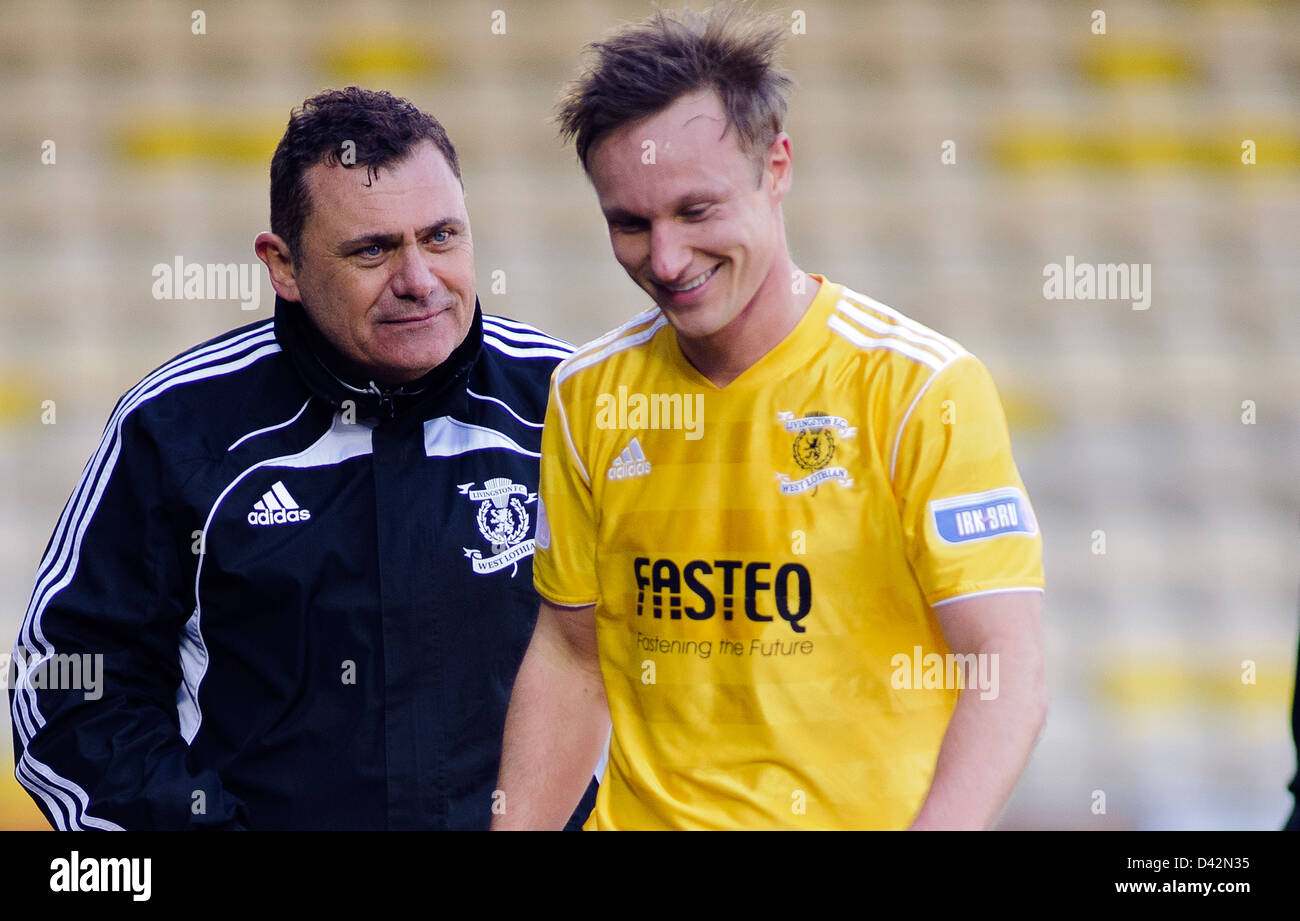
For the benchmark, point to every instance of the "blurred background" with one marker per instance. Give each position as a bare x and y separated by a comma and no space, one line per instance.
1131,427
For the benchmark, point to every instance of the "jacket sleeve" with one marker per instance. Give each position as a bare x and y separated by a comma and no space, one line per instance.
96,734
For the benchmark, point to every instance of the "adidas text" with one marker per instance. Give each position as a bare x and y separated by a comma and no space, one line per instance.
630,463
280,516
277,507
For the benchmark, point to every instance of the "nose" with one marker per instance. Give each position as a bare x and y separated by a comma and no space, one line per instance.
414,279
669,254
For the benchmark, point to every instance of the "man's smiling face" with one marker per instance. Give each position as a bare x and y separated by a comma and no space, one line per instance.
693,228
387,265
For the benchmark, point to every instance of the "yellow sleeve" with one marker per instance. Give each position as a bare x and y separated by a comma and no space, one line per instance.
967,521
564,561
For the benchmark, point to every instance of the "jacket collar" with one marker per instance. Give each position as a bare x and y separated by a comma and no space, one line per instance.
328,374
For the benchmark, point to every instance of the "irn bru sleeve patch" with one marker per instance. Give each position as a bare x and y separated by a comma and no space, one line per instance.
983,516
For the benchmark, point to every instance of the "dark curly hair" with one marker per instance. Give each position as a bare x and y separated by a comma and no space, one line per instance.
384,129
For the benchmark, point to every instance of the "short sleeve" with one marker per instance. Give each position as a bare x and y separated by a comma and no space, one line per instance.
967,522
564,561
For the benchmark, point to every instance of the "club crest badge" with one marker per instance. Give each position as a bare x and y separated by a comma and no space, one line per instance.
815,444
503,521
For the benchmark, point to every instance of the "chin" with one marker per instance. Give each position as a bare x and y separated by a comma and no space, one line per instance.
396,375
694,323
407,365
420,365
419,354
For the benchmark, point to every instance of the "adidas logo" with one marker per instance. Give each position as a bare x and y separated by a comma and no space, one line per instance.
277,507
631,463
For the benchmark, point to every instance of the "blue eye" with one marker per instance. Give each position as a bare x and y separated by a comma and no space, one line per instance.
374,249
444,234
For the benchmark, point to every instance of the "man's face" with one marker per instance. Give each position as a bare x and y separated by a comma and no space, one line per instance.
692,228
387,265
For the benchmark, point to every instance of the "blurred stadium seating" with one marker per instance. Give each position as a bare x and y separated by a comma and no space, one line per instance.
1123,147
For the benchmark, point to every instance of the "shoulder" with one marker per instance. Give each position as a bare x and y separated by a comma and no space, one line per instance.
621,351
516,366
218,361
888,338
896,356
514,339
525,352
207,390
903,367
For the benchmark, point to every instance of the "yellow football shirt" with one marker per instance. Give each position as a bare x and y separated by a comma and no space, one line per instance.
763,559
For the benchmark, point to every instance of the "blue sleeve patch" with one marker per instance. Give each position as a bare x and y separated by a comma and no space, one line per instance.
983,516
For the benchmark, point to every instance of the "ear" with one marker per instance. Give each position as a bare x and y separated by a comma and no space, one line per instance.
274,252
778,168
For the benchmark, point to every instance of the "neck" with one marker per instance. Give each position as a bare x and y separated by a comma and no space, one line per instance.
770,316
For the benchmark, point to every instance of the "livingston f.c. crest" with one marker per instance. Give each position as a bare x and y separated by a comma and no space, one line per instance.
814,448
503,521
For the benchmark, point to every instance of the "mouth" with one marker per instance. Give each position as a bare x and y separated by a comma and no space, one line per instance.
689,292
414,320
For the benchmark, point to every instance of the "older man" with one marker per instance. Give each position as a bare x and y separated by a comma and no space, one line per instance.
302,551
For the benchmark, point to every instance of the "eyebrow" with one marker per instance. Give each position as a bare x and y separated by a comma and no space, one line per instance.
393,239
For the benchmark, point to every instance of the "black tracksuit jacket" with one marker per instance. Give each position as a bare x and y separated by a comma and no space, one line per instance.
295,600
